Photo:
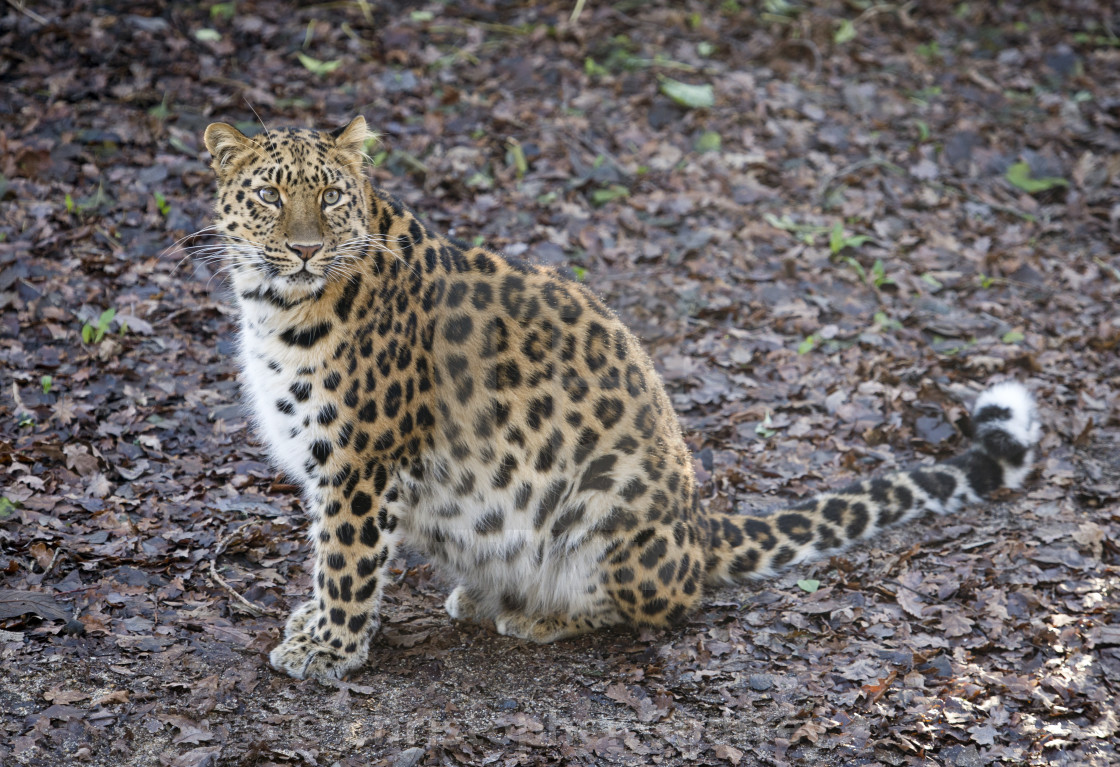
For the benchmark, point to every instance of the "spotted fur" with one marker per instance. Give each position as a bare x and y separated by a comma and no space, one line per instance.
497,417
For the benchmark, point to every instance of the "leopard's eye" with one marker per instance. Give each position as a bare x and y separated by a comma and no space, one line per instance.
269,194
331,196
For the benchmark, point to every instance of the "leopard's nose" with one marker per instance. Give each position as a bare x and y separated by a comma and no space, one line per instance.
305,252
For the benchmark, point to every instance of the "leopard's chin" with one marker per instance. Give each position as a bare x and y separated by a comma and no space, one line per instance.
299,285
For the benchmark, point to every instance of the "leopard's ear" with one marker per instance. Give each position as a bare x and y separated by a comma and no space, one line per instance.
352,137
226,144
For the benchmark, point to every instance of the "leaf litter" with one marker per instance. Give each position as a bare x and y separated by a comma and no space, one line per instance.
828,222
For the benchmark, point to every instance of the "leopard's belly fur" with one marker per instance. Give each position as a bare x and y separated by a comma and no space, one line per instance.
495,416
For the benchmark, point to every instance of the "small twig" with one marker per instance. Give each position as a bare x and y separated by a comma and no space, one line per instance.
252,609
869,162
28,12
574,19
883,688
54,559
1107,267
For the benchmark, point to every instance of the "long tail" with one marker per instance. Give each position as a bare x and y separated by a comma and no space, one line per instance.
1006,429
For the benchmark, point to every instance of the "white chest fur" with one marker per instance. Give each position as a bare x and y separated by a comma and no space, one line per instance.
280,386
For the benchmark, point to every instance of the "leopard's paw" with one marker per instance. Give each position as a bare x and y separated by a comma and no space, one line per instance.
460,605
311,650
533,629
305,657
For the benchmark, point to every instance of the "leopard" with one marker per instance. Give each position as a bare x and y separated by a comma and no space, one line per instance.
497,417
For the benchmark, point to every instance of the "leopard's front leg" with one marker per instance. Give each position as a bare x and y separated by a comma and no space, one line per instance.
355,537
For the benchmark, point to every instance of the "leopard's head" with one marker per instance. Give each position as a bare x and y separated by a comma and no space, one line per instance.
292,203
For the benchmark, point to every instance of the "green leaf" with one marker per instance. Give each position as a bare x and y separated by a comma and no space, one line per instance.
705,49
580,273
612,192
516,157
162,204
690,96
845,32
420,16
223,10
709,141
206,35
593,68
1013,337
87,333
836,238
1019,175
763,428
809,584
6,508
807,345
316,67
932,281
46,382
857,266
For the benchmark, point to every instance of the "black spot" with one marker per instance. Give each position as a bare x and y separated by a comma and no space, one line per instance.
759,531
608,410
505,471
366,591
336,561
569,517
746,562
586,442
306,336
285,407
783,557
495,338
457,329
332,508
346,300
654,552
597,475
797,527
301,390
490,522
333,379
456,295
858,521
361,504
345,534
504,375
356,623
655,606
547,456
597,346
540,410
521,498
937,484
551,498
635,488
327,414
482,295
834,509
369,534
392,400
321,450
367,565
623,575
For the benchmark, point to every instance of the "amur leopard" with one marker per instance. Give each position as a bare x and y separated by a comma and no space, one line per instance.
497,417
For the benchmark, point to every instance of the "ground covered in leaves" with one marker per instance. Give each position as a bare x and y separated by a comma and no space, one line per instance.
831,222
